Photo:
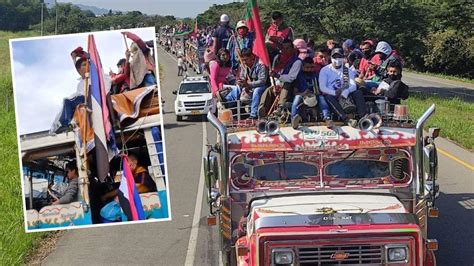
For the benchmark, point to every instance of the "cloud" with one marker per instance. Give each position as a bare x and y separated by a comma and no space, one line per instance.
44,73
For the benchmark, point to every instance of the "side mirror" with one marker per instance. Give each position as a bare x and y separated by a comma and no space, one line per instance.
430,161
175,92
433,132
211,170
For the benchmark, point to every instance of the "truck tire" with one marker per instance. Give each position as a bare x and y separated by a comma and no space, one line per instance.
179,118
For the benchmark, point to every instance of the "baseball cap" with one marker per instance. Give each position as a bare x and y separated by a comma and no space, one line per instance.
301,45
241,24
224,18
337,51
348,44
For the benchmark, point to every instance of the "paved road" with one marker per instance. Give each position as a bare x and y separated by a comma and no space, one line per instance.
442,87
182,241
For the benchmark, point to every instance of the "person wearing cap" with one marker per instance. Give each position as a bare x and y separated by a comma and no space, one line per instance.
239,41
336,81
80,63
121,80
276,33
302,48
222,34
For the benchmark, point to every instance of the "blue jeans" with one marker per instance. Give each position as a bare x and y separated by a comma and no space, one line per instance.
256,96
234,95
294,107
149,80
371,84
324,107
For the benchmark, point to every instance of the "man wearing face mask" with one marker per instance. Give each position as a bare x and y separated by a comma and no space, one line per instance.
337,81
242,40
392,87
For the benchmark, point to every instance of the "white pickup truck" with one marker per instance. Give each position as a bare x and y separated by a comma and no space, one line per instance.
193,97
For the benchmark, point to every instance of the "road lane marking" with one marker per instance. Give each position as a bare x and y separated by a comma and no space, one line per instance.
454,158
190,254
176,60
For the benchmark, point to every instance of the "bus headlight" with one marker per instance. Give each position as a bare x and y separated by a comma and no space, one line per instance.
180,104
396,253
283,256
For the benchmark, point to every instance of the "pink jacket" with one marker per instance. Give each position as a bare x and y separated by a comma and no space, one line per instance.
218,76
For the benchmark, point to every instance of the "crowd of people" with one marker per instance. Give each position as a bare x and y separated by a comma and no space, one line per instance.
326,82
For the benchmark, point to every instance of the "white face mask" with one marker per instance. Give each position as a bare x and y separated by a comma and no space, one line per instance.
337,61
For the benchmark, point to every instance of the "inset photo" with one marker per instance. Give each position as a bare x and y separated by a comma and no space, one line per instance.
90,129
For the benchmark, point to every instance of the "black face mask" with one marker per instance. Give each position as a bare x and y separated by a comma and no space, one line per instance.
367,54
393,77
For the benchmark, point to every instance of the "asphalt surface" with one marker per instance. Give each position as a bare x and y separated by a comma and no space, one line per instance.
437,86
182,241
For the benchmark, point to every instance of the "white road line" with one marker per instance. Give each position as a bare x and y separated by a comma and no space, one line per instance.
176,60
190,255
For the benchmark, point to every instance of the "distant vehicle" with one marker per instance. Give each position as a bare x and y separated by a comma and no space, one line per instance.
193,97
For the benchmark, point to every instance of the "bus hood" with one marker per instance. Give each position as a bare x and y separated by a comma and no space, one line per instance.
331,209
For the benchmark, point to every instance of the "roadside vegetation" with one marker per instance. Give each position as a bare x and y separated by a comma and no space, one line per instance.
14,242
453,115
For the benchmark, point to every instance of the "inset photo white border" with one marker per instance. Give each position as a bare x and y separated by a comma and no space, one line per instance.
49,85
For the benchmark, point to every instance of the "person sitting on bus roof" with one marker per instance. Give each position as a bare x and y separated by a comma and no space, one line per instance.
220,68
71,193
253,79
239,41
121,80
392,86
337,82
142,67
288,70
304,103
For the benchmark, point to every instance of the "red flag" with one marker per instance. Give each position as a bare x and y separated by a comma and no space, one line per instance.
254,24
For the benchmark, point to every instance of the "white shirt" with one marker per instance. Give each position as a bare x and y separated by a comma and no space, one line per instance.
80,86
331,78
180,62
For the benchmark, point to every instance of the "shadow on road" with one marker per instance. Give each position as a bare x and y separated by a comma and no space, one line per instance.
462,93
454,232
175,125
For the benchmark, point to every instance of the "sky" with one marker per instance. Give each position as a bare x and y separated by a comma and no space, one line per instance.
177,8
44,73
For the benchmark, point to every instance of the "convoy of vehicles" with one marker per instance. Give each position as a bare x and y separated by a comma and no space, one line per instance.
193,98
323,196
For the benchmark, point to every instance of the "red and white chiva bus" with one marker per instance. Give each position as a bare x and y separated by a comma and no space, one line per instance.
324,196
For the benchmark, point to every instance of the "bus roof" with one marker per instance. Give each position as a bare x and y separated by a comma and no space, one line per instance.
320,138
40,141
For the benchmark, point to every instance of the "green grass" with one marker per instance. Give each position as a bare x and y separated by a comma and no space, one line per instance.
453,115
15,244
441,76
